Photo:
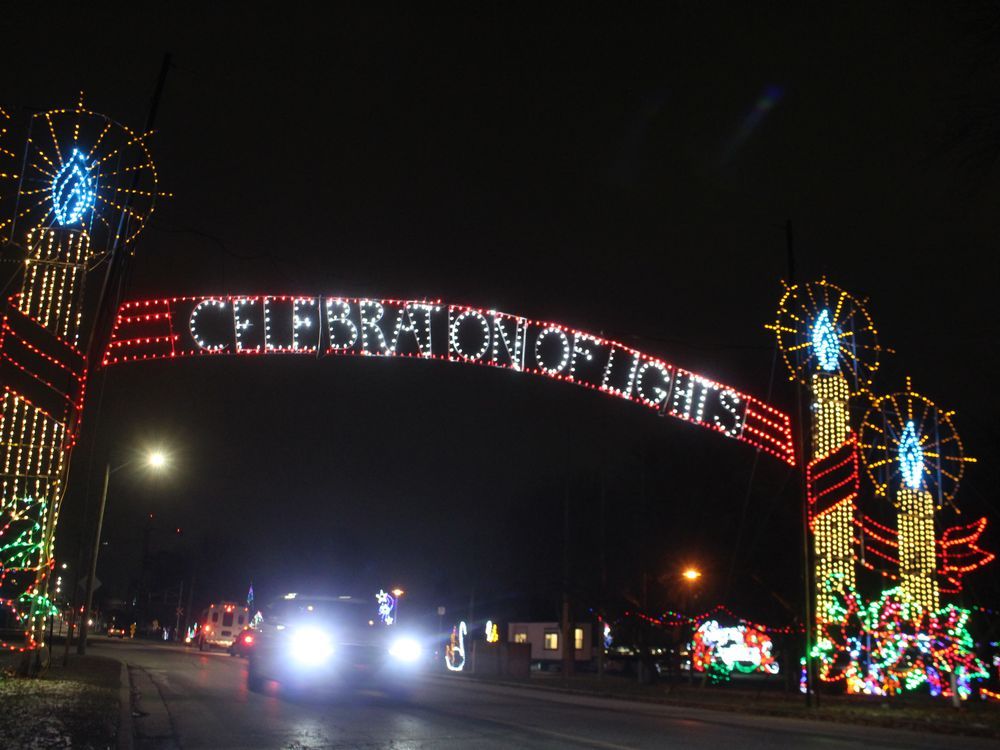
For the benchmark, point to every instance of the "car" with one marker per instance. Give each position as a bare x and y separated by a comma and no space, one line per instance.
219,625
114,631
333,642
243,643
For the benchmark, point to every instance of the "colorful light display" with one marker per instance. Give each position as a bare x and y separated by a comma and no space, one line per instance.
386,607
454,652
254,325
893,644
719,651
491,633
902,639
84,186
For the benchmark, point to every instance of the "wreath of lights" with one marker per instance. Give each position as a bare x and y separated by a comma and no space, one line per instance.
80,170
422,329
820,327
908,443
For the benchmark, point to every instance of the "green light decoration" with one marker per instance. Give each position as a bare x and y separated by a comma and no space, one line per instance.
24,565
892,644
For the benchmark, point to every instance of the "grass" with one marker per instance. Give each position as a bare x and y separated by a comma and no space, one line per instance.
68,707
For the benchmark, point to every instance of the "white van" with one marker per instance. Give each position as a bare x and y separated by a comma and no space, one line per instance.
221,624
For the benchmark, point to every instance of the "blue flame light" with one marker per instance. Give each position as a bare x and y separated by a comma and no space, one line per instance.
826,342
911,457
74,189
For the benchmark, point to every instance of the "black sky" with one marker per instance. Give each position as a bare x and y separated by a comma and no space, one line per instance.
603,168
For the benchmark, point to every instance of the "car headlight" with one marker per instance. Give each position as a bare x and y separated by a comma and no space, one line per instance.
311,646
405,649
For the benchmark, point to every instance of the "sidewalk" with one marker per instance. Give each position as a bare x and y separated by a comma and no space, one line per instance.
77,706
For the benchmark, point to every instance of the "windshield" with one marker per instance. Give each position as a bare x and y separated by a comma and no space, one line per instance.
351,613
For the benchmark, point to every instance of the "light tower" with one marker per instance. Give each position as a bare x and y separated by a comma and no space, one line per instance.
79,192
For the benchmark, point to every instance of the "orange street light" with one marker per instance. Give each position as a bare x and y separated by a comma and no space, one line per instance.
692,574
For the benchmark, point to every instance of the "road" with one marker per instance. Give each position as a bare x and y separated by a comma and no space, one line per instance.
194,700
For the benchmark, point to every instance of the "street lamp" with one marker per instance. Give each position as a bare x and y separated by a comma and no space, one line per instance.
156,460
691,574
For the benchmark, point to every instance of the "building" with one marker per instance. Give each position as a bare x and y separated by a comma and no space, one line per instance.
545,639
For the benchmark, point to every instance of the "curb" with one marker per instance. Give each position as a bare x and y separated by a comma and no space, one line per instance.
126,731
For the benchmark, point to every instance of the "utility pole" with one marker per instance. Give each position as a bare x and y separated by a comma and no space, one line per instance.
568,642
801,458
180,597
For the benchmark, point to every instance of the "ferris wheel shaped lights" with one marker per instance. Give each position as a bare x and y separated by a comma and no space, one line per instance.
908,443
74,189
820,328
79,167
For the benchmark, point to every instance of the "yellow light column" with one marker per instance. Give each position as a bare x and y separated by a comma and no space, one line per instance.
917,550
833,528
33,443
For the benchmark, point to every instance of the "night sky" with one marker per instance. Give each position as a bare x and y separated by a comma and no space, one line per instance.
624,173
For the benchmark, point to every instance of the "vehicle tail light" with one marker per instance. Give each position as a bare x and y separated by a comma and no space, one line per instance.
248,639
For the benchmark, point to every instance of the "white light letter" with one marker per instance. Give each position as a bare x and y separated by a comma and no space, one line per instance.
420,328
371,314
653,394
512,341
193,325
338,313
580,350
455,346
564,344
303,321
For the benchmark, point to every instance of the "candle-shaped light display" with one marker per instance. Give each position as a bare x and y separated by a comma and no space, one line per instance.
82,187
829,344
915,457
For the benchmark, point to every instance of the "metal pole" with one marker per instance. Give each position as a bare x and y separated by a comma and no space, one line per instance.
81,646
806,558
177,620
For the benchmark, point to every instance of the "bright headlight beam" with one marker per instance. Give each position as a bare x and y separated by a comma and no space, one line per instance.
311,646
405,649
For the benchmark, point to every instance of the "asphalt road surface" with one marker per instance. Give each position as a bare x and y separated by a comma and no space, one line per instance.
200,700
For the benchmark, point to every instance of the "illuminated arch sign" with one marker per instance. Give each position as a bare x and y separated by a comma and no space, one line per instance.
316,326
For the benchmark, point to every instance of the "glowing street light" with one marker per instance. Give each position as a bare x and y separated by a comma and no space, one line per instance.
156,460
691,574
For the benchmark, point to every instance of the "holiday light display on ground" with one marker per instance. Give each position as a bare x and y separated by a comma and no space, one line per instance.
893,644
491,632
255,325
719,651
454,651
82,187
